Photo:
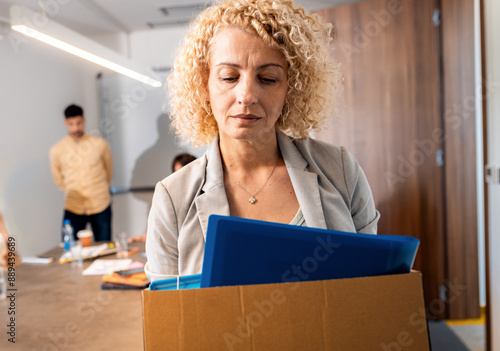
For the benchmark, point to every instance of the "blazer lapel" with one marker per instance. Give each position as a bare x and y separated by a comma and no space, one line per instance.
305,183
213,199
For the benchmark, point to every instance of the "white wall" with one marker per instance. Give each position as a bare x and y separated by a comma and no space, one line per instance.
118,42
38,82
479,155
492,14
157,48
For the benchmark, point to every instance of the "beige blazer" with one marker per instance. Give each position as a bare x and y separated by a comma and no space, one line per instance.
330,186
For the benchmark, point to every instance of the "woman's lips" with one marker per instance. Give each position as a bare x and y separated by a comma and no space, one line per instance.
245,119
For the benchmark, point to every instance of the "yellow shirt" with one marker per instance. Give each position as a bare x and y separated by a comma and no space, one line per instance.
83,170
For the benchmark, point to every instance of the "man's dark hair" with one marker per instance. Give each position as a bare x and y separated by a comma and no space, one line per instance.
73,111
183,159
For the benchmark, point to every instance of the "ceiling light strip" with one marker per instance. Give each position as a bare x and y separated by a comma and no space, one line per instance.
84,47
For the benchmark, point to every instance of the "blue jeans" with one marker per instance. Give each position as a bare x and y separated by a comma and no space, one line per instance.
100,223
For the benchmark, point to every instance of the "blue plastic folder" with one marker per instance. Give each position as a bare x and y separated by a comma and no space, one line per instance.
177,283
242,251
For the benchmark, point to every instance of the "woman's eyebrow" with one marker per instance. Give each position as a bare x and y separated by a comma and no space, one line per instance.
265,65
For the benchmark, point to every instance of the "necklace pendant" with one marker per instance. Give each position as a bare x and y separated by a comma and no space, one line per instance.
252,200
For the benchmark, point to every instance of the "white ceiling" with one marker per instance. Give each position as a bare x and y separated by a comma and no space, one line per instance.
93,17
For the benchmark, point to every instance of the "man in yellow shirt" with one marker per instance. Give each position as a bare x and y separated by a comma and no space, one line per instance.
82,166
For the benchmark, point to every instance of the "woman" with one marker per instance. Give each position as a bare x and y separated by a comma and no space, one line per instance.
249,72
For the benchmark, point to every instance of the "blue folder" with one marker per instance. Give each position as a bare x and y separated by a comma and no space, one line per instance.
242,251
177,283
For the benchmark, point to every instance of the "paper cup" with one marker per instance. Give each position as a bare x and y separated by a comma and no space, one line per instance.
85,237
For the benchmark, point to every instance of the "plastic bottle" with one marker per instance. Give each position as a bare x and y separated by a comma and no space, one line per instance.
69,241
122,246
3,283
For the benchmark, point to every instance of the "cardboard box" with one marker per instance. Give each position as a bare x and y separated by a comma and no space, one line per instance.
365,314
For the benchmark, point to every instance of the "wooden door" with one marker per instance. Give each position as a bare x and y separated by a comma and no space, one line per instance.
459,120
390,118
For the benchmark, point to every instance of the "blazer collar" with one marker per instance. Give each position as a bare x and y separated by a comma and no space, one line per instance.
304,183
213,199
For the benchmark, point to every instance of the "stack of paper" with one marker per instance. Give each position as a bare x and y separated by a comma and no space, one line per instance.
100,267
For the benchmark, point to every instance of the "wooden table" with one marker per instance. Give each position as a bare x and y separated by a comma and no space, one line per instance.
58,308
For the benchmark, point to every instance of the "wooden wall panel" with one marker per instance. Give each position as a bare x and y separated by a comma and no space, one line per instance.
390,120
460,157
409,93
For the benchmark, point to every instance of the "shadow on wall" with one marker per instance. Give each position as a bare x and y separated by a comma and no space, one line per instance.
154,163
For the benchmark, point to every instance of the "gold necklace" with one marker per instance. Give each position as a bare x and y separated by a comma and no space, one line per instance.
252,198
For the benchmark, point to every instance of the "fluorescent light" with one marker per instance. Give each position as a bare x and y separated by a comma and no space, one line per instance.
41,28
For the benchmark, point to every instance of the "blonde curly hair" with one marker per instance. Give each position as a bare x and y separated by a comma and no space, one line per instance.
313,76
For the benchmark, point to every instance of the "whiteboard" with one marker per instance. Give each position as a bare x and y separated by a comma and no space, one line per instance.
138,131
